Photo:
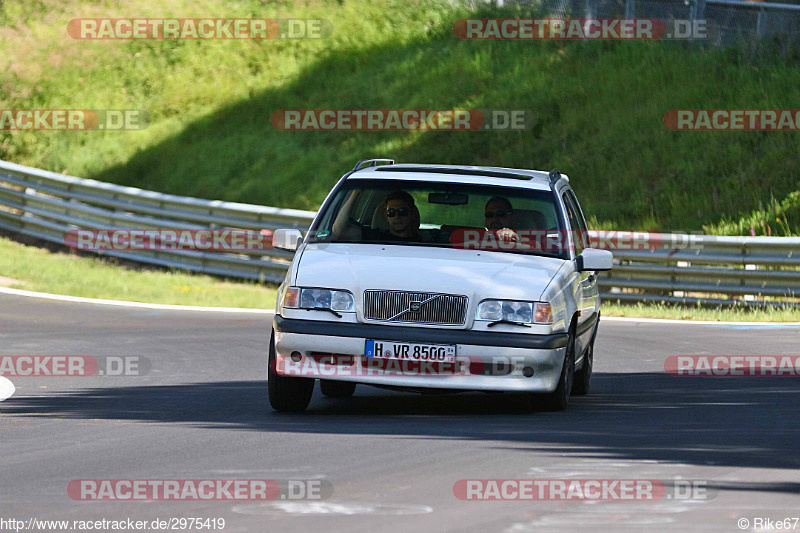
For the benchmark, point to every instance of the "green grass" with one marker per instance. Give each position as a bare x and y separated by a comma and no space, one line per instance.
599,106
40,270
689,312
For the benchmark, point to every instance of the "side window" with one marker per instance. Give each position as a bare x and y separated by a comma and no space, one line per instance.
578,211
576,223
585,240
360,208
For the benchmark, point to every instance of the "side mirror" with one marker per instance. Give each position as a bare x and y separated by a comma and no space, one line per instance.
287,239
592,259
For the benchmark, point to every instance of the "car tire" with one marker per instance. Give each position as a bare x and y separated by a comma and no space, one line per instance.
559,398
337,389
582,386
287,394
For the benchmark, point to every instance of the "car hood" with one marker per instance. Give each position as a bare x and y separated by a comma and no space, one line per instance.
473,273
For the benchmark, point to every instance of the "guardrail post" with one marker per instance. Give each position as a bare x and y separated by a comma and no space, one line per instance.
700,11
630,9
760,23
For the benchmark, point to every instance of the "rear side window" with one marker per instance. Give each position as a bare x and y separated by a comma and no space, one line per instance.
577,223
578,210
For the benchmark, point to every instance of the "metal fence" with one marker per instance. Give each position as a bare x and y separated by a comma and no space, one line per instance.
46,205
705,269
727,22
712,270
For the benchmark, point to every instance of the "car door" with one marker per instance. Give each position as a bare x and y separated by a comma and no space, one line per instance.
592,291
585,288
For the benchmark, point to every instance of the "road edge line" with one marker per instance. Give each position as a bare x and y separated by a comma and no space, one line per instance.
696,322
124,303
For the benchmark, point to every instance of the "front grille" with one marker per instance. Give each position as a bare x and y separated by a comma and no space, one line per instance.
446,309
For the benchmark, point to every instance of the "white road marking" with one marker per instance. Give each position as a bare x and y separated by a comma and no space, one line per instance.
306,508
6,388
696,322
123,303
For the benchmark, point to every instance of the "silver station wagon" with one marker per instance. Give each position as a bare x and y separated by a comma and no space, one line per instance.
430,277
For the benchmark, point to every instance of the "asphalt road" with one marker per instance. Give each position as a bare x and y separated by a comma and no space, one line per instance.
391,458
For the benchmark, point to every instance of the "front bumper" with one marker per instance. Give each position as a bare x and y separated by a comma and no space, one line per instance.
490,361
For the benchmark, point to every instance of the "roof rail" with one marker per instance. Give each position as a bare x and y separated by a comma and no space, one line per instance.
371,163
554,176
460,171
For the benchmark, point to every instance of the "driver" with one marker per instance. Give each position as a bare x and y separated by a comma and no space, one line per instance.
499,218
400,214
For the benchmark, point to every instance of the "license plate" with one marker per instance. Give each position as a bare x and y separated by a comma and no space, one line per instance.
410,351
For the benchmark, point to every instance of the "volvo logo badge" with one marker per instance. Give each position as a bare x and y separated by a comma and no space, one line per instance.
414,306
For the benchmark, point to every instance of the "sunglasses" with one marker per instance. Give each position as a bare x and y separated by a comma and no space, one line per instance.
497,214
397,212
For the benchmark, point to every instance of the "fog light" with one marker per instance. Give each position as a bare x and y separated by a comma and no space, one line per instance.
297,357
527,371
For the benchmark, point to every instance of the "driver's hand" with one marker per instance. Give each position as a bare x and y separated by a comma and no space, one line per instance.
507,235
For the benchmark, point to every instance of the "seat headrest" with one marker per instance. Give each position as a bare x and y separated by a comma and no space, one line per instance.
530,219
378,220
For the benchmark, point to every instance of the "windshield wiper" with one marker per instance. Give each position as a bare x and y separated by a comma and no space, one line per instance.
509,322
338,315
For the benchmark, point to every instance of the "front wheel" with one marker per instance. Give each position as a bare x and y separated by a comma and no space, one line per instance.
559,398
582,378
286,393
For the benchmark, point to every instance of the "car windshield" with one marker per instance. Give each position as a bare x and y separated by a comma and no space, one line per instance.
446,215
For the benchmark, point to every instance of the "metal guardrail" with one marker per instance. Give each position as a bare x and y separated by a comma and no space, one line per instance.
725,22
714,270
745,270
46,205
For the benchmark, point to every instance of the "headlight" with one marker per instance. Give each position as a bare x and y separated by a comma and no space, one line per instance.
334,300
523,312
